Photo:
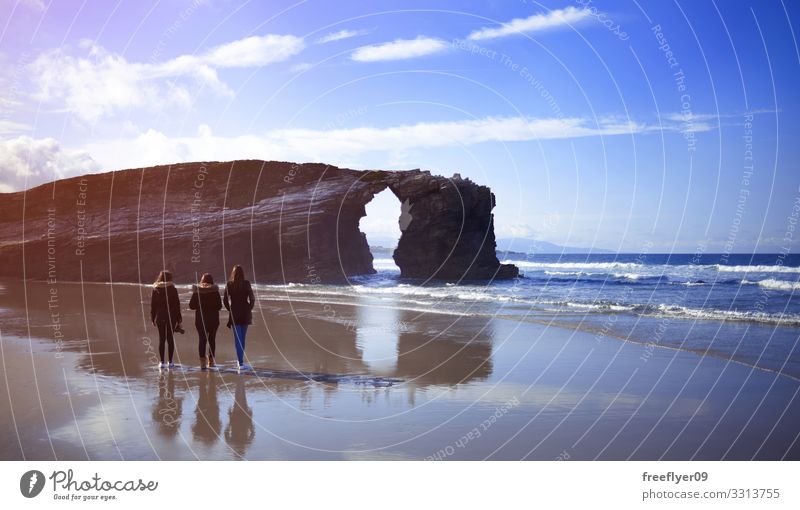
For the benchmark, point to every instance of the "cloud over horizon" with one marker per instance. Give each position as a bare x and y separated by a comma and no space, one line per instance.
538,22
101,82
399,49
340,35
44,160
26,162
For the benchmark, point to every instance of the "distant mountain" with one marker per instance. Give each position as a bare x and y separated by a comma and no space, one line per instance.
384,248
381,251
533,246
382,242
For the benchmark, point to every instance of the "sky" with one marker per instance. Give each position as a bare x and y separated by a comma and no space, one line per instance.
623,125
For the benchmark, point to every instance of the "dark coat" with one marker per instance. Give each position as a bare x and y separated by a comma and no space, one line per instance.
165,305
206,303
239,301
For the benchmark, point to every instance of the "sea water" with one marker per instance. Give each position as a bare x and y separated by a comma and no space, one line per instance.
741,308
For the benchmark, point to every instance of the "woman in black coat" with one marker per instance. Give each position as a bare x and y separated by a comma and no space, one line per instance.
165,313
206,304
239,301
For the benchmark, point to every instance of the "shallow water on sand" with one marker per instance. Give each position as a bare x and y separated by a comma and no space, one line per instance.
79,383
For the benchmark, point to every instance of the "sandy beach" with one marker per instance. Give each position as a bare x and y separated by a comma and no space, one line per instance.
79,383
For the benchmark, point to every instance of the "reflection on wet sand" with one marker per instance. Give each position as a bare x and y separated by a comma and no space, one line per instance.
451,353
377,338
240,431
421,349
168,407
115,340
207,424
105,330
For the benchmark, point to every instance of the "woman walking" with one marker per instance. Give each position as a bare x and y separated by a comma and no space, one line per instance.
239,301
206,303
165,313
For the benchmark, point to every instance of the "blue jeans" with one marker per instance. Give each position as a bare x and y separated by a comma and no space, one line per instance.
239,333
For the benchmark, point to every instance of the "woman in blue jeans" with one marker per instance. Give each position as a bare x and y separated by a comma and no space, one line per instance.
239,301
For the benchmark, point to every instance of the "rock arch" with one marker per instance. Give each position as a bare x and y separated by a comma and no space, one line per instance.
285,222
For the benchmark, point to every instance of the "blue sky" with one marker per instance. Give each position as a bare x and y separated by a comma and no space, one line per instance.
571,111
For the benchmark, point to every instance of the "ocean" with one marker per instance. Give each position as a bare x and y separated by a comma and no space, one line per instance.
741,308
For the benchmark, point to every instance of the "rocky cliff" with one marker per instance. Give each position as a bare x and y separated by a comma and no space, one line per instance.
284,222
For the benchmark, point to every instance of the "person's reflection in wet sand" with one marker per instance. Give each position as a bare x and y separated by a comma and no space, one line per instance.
168,408
207,423
239,432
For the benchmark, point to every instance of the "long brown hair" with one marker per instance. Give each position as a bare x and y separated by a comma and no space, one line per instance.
207,279
164,276
237,276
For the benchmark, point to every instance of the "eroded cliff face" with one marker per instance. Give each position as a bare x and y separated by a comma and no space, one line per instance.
283,222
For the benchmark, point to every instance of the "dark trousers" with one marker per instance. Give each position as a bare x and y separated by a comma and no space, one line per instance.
165,337
207,334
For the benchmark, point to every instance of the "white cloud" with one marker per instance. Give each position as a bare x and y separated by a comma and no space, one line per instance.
518,230
341,147
689,122
26,162
102,83
204,131
8,127
399,49
702,118
341,34
552,19
254,51
37,5
43,160
690,117
9,104
434,134
91,87
300,67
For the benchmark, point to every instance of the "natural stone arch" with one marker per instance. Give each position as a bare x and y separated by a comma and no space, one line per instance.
286,222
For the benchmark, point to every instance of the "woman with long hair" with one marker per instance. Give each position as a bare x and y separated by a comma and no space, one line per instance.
239,301
165,314
206,303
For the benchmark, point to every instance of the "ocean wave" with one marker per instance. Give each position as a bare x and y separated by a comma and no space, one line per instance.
661,268
580,274
755,269
639,277
773,284
535,296
399,291
600,306
695,283
643,278
523,264
700,283
606,278
571,273
385,265
683,312
432,301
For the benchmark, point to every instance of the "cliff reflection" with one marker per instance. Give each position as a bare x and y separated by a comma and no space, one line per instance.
443,349
380,340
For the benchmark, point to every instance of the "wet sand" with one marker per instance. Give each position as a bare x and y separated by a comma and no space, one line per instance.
78,382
